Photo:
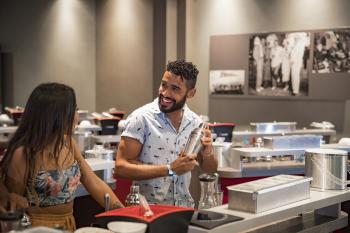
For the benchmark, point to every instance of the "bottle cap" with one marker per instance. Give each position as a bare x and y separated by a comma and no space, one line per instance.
134,189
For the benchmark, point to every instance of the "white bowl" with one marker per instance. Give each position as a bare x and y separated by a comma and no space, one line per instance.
92,230
127,227
4,117
85,123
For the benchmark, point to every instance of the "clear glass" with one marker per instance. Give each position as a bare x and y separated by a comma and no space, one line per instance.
219,196
184,202
208,199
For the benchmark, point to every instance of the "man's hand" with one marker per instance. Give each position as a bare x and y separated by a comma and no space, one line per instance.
207,141
206,156
184,163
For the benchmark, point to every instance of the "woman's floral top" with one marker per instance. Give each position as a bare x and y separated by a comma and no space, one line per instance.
54,187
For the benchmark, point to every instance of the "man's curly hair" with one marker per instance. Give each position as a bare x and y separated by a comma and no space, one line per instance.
184,69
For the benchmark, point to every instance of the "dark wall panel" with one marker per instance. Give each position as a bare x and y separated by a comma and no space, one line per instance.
242,111
334,86
229,52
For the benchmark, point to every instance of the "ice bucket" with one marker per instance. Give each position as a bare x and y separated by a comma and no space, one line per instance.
327,167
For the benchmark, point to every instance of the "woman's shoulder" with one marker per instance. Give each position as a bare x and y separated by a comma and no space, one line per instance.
18,155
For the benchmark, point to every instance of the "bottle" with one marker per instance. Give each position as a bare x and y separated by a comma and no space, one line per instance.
133,198
194,144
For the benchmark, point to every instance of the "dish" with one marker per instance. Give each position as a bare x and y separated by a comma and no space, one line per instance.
127,227
92,230
41,230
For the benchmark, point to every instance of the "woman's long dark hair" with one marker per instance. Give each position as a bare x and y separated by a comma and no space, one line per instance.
47,119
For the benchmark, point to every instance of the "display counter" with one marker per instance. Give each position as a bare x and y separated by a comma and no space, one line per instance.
236,168
320,213
246,137
85,216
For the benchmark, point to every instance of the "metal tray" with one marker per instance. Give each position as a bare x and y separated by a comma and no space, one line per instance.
293,142
273,127
268,193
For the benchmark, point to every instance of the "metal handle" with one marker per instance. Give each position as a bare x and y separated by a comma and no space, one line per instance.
107,199
330,175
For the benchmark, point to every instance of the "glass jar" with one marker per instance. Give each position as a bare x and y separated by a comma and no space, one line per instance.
208,199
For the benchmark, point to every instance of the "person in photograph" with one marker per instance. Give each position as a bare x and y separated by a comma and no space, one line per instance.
151,148
276,62
44,164
301,40
330,40
258,55
267,63
285,66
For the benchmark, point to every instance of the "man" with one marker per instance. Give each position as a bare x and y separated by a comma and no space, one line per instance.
258,55
151,148
276,62
301,40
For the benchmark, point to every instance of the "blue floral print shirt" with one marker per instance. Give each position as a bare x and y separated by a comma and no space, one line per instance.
54,187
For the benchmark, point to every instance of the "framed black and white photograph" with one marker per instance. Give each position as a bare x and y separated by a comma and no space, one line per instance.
332,51
278,64
226,82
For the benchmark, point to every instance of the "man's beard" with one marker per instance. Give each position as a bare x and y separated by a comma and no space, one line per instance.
175,106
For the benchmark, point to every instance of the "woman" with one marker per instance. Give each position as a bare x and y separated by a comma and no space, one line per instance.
43,163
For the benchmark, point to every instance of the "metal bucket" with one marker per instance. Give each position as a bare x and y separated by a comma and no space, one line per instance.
99,152
327,167
222,153
84,140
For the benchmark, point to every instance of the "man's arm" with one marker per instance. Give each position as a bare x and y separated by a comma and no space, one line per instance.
128,164
206,157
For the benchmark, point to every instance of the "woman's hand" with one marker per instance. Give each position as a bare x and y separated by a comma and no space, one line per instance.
11,202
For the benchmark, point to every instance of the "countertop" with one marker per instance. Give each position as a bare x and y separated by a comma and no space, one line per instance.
317,200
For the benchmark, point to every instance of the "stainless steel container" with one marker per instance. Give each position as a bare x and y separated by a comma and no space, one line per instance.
293,142
84,140
327,167
222,153
99,152
273,127
268,193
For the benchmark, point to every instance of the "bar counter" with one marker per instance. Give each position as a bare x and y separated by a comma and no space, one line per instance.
320,213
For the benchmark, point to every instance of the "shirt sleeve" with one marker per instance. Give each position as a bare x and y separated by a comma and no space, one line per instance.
135,127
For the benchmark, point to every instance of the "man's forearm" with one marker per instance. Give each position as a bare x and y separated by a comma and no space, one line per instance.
140,171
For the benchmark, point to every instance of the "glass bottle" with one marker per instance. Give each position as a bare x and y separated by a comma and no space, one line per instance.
208,199
133,198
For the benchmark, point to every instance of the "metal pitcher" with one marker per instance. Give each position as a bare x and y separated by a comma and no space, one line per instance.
327,167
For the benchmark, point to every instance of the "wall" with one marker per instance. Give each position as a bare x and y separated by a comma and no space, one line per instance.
124,45
226,17
48,41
